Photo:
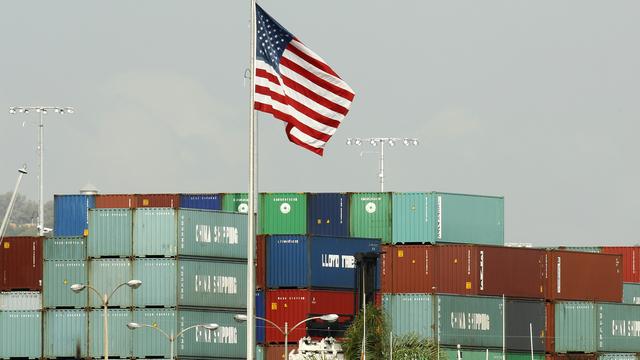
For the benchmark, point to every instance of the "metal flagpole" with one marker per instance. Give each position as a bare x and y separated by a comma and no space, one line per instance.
251,288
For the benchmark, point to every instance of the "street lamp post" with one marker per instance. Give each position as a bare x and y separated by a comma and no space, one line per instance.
382,141
43,110
286,331
77,288
172,338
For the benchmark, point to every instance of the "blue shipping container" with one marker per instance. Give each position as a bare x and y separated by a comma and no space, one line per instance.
260,312
71,214
328,214
314,261
201,201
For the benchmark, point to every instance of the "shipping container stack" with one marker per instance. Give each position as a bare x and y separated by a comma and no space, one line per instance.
20,297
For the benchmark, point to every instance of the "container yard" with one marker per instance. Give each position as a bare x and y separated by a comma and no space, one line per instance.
189,252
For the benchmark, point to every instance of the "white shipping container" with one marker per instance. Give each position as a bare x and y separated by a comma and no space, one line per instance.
20,300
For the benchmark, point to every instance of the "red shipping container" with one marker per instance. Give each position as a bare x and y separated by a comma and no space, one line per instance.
630,258
571,356
261,274
294,305
511,271
276,351
584,276
456,270
159,200
21,263
385,266
413,268
550,336
116,201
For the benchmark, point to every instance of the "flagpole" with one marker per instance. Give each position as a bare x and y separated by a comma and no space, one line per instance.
251,288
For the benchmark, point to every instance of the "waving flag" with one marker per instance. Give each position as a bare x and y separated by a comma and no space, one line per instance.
296,86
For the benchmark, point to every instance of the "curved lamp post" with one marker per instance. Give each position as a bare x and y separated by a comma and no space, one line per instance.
286,331
172,338
77,288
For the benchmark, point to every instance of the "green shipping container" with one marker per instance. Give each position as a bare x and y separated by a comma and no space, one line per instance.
105,275
58,277
235,202
110,232
119,336
190,282
470,320
283,213
618,356
409,314
618,327
65,333
228,341
65,248
631,293
202,233
370,216
575,326
20,334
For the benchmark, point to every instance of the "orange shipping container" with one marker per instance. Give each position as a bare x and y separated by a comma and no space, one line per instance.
630,258
412,268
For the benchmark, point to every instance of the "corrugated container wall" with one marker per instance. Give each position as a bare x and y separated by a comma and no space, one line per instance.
515,272
385,263
584,276
65,333
631,293
463,218
107,274
228,341
410,313
235,202
618,356
110,232
283,213
261,258
21,334
370,216
276,351
155,232
201,201
630,261
518,316
470,321
413,268
618,327
411,223
59,275
20,300
575,326
328,214
126,201
290,305
457,269
21,263
70,214
190,282
261,326
314,261
65,248
119,335
159,200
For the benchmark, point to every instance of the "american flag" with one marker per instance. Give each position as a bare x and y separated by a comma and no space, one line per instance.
296,86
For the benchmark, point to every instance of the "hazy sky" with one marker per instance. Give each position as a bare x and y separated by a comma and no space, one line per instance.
538,101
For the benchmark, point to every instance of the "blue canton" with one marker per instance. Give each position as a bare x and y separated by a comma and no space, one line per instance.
271,39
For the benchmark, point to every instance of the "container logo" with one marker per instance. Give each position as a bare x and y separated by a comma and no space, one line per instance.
216,284
223,335
625,328
481,269
219,234
470,321
370,207
338,261
243,208
285,208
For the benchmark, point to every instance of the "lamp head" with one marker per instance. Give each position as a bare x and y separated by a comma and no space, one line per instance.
12,110
348,140
392,143
329,317
76,288
134,284
133,326
358,142
211,326
240,317
373,142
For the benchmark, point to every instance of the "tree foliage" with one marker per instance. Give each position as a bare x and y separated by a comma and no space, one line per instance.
25,214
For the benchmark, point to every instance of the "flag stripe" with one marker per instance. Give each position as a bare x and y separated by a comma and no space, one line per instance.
288,118
328,76
302,51
310,126
315,79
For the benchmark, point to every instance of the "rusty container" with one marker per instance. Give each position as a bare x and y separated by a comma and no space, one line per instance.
21,263
583,276
630,259
276,351
159,200
386,268
456,270
116,201
509,271
413,267
261,265
550,325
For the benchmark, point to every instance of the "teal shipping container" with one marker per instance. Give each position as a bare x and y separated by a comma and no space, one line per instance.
58,277
190,282
119,336
470,320
228,341
105,275
575,326
65,248
410,218
370,216
618,327
20,334
205,233
110,232
631,293
410,314
283,213
65,333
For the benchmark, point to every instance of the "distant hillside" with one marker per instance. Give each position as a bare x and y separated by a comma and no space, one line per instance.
25,213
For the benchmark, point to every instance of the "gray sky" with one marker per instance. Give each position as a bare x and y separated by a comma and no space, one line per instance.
534,100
